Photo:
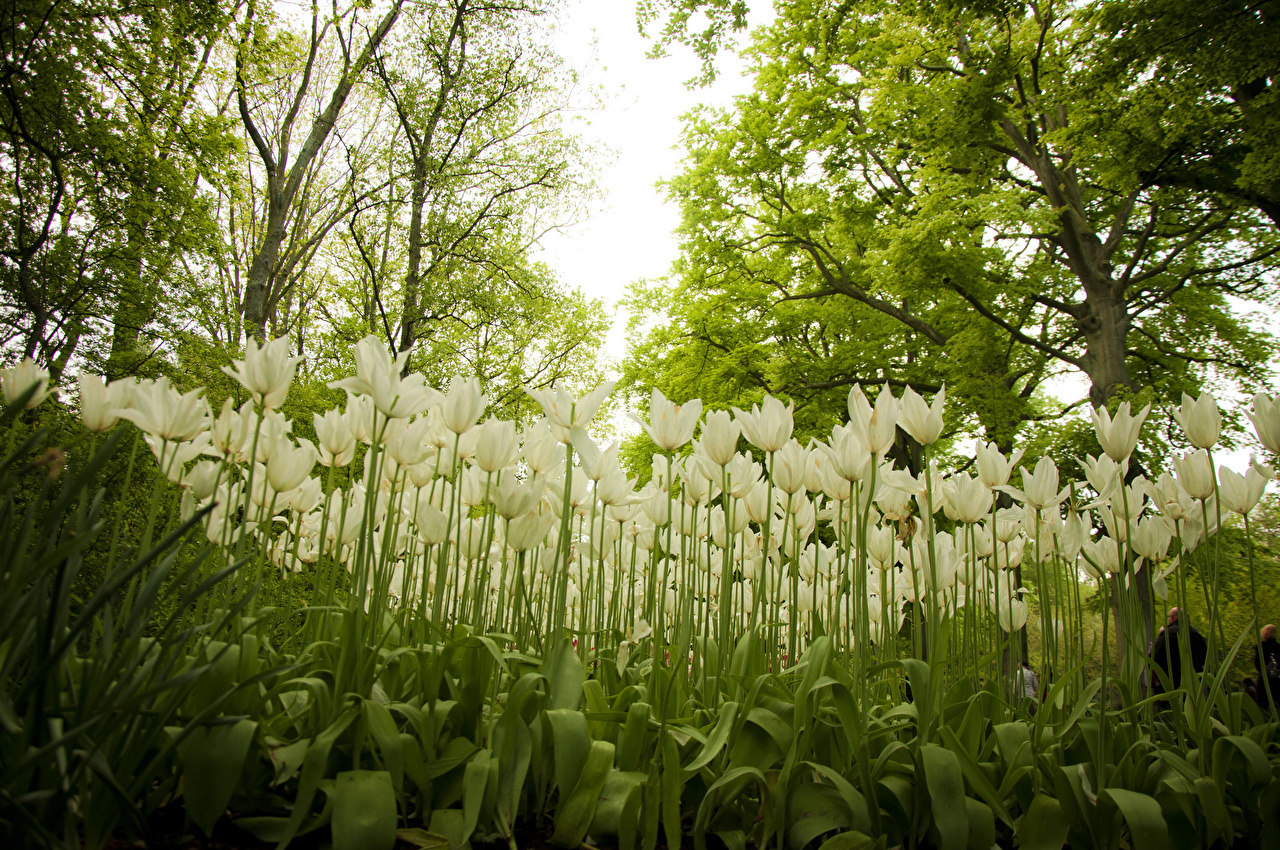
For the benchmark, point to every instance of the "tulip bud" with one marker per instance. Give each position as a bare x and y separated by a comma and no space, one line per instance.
1200,420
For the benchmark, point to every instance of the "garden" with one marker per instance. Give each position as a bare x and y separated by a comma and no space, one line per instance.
689,424
502,639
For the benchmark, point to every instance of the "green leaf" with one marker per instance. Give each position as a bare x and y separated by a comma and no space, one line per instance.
571,746
631,740
1259,770
1142,813
422,839
574,816
851,840
1044,826
855,802
946,795
314,765
476,781
385,734
618,808
982,824
212,762
364,811
1214,810
565,677
672,785
974,775
813,810
716,740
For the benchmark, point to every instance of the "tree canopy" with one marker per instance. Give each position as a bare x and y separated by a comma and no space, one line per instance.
981,194
179,178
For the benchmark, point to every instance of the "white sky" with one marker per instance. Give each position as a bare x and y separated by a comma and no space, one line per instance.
627,235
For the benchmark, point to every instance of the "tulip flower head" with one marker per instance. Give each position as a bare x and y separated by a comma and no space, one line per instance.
98,402
670,425
1240,493
337,443
1200,420
497,445
768,426
923,422
265,372
564,413
160,410
462,405
1118,436
1195,473
378,378
1104,475
18,380
1040,487
290,465
875,427
719,437
994,468
1266,420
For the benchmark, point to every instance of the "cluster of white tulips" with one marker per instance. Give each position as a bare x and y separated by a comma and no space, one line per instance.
477,523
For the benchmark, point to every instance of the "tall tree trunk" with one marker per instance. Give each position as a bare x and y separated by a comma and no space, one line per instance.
1105,324
258,287
409,322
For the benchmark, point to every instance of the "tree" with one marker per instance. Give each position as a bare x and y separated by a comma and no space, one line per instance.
103,140
937,145
472,92
286,167
1207,74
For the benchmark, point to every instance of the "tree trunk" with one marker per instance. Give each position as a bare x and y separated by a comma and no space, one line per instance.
1106,327
257,289
409,322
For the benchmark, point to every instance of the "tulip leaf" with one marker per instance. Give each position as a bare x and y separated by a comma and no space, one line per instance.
672,785
574,816
313,768
1044,826
717,739
565,677
1147,827
945,783
383,729
1214,810
814,810
364,811
982,824
422,839
1259,770
851,840
212,760
631,739
974,776
617,810
854,801
571,746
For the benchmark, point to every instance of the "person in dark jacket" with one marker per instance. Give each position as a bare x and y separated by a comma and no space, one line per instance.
1167,651
1267,661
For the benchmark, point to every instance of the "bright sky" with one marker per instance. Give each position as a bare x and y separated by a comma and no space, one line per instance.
627,235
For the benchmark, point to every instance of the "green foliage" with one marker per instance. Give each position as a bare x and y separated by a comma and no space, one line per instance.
96,670
968,194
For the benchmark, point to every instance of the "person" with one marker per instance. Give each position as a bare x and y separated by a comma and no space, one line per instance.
1024,682
1167,650
1267,662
